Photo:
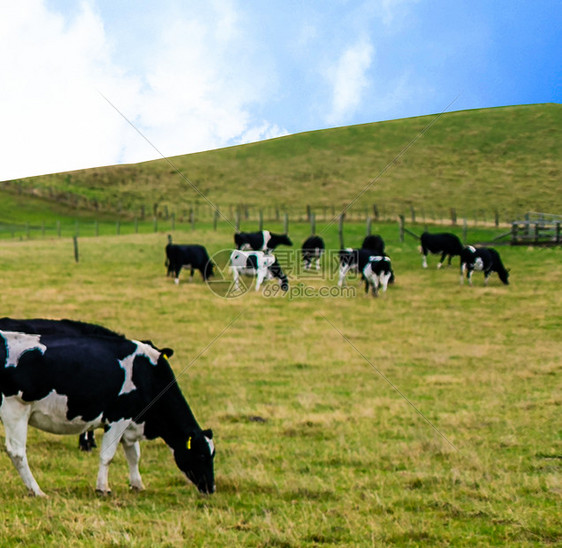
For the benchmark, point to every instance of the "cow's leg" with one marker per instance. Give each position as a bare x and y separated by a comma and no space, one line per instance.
260,278
469,276
442,260
424,259
192,274
344,269
15,417
177,278
109,443
384,281
132,453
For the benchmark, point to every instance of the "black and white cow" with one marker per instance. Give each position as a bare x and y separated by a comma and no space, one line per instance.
354,260
260,241
183,256
485,259
377,273
259,264
71,383
312,250
444,242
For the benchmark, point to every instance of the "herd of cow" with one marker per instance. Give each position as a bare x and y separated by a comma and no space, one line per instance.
254,256
68,377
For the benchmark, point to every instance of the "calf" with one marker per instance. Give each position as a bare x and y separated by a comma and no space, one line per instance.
445,243
193,256
377,272
485,259
260,241
71,383
312,250
259,264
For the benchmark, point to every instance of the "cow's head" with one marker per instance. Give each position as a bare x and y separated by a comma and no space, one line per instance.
281,239
504,275
195,460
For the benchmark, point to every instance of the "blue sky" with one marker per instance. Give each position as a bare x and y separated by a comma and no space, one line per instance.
193,75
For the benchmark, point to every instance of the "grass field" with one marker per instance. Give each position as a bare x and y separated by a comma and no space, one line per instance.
427,416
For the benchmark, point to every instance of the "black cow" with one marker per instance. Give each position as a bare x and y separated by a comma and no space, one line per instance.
377,272
312,250
193,256
260,241
485,259
374,243
444,242
71,383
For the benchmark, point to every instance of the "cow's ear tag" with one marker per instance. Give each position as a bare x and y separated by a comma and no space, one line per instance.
189,443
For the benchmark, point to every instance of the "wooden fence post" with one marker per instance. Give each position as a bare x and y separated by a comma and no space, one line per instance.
312,218
340,229
376,212
453,216
557,232
368,227
464,231
216,218
76,255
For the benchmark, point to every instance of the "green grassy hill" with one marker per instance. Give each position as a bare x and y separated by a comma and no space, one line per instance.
506,159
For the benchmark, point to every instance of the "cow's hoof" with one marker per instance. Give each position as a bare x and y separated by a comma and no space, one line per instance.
103,493
136,488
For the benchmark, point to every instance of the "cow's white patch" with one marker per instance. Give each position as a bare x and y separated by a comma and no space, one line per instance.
266,238
478,264
18,344
126,364
50,415
211,445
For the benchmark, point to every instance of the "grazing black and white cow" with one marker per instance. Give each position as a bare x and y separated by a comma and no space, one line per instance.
377,273
485,259
356,260
259,264
260,241
183,256
71,383
312,250
352,260
444,242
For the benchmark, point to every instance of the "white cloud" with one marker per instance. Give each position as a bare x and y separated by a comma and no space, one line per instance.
349,80
192,91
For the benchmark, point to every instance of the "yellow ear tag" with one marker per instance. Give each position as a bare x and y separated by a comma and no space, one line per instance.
165,357
189,443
